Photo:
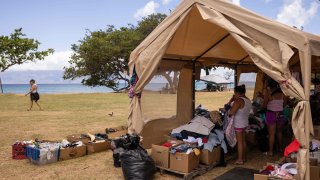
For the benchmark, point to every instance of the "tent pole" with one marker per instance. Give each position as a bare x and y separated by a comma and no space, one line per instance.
235,75
193,87
315,77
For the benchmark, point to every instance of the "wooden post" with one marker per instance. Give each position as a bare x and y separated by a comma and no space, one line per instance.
193,87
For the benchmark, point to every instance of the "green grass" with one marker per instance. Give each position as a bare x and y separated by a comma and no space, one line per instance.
66,114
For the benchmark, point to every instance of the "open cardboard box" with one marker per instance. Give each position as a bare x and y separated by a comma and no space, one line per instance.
98,146
161,154
121,130
184,163
77,137
314,174
72,153
208,158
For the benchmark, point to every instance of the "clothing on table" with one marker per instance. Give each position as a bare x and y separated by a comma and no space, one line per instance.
241,118
216,138
200,125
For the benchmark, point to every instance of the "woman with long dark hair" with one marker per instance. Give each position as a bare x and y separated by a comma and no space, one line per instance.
240,111
274,102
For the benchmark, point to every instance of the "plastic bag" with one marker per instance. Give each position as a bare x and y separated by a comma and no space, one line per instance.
137,165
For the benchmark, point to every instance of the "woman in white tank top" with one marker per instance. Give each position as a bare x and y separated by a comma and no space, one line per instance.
240,111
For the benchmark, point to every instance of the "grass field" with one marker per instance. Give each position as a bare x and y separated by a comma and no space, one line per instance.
80,113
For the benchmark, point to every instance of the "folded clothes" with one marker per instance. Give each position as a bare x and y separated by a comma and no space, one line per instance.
181,148
199,125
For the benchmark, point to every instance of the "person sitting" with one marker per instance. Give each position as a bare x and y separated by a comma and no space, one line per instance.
240,110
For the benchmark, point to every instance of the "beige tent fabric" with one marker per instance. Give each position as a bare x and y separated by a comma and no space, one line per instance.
154,131
268,44
146,63
259,84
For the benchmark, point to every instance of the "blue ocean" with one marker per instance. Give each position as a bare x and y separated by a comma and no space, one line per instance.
79,88
67,88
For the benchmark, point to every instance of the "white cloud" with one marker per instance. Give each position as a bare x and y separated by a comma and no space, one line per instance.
295,13
56,61
267,1
165,2
237,2
148,9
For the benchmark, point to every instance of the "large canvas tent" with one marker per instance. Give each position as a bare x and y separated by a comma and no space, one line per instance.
201,33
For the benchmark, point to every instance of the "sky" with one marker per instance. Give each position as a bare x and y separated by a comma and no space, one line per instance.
59,23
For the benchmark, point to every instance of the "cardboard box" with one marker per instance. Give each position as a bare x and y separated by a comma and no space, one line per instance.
77,137
314,172
265,177
314,175
160,155
73,152
122,130
184,163
99,146
208,158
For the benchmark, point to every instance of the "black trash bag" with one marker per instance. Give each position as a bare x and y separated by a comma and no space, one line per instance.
137,165
127,142
116,156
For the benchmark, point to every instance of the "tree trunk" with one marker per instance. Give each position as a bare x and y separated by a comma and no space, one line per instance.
1,86
167,76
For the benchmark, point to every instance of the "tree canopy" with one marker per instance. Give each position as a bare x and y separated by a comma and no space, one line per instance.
17,49
101,57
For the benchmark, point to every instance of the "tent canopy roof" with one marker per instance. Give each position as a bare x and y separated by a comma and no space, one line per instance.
212,44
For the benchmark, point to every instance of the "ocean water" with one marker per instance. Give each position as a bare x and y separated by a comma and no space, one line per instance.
68,88
79,88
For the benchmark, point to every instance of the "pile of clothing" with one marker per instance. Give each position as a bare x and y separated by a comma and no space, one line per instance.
200,133
66,144
284,171
255,124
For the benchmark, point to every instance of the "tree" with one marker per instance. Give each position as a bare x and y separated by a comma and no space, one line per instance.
101,57
17,49
228,74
